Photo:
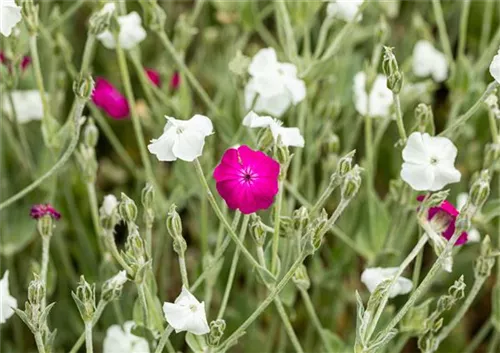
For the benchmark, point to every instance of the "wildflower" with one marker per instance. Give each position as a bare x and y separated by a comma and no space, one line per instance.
175,81
429,162
120,339
154,77
27,105
38,211
473,235
131,32
428,61
109,205
119,279
7,302
186,314
25,61
183,139
344,10
273,85
246,179
10,16
289,136
379,99
443,218
495,67
373,276
107,97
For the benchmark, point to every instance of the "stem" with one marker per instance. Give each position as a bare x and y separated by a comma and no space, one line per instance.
323,32
416,250
88,337
66,15
109,240
38,76
464,18
332,185
221,217
443,34
277,219
315,319
269,299
39,342
144,304
94,211
183,270
479,337
232,270
492,348
287,325
45,265
97,315
164,339
399,117
461,120
493,126
28,157
486,28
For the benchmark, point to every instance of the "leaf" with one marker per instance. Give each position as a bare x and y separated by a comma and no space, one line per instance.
198,344
18,234
335,343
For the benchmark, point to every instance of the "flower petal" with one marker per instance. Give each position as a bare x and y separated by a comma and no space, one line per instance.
177,316
188,145
162,147
444,175
254,120
264,61
415,150
419,177
201,123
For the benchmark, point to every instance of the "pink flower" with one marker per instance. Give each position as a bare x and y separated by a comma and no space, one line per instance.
246,179
107,97
175,81
443,218
38,211
6,61
25,62
154,76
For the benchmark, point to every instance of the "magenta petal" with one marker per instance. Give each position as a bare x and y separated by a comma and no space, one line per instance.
229,190
154,77
107,97
25,62
175,81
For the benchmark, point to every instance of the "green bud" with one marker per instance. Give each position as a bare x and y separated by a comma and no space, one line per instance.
239,64
317,229
286,226
424,116
30,16
83,87
389,63
183,32
491,154
282,155
90,133
127,209
351,184
300,218
486,260
174,223
257,231
36,291
154,15
217,329
99,21
45,225
148,196
179,245
480,190
301,278
112,288
395,82
85,299
344,164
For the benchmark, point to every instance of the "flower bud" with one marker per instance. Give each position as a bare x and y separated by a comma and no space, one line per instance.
36,291
257,230
109,212
30,16
286,227
300,218
301,278
99,21
174,223
317,229
45,225
85,299
395,82
148,196
127,209
351,184
112,288
344,165
217,328
282,155
90,133
480,190
389,63
239,64
423,116
491,154
183,32
83,86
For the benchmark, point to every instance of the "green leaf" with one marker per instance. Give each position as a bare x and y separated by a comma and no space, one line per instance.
198,344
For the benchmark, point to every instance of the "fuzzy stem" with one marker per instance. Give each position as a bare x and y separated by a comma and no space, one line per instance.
94,211
45,265
315,319
109,240
39,342
88,337
97,315
144,304
464,18
38,75
164,339
399,117
288,325
479,337
276,232
183,270
332,185
443,34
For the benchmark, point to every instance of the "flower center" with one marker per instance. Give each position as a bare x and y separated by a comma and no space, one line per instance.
441,221
193,308
434,161
247,175
179,130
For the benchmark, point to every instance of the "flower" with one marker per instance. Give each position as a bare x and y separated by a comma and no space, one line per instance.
109,205
131,32
246,179
121,340
442,219
7,302
428,61
344,10
183,139
107,97
373,276
380,98
495,67
273,86
25,62
27,105
429,162
175,81
289,136
473,235
38,211
154,76
10,16
186,314
119,279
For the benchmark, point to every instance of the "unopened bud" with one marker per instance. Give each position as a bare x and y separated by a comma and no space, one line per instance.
30,16
239,64
344,165
318,229
424,116
99,21
45,225
286,226
174,223
112,288
85,299
395,82
217,329
127,209
257,230
36,291
301,278
389,63
83,87
282,155
491,154
300,218
154,15
90,133
480,190
351,184
148,196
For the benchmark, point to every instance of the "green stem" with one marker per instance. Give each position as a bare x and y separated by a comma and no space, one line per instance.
323,33
276,233
464,18
399,117
97,315
144,304
88,337
479,337
493,127
39,342
94,212
22,137
183,270
288,325
65,16
45,265
38,76
315,319
495,340
443,34
332,185
232,270
486,28
221,217
109,240
164,339
486,56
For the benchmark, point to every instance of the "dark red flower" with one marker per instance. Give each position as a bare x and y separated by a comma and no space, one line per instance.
25,62
154,76
175,81
38,211
109,98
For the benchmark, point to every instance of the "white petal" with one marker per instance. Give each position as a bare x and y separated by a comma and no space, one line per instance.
121,340
250,94
186,298
177,316
27,104
188,145
297,89
495,67
109,204
264,61
288,70
442,148
401,287
201,123
270,84
290,136
372,277
10,16
7,302
415,150
107,39
162,147
275,105
197,323
344,10
444,175
419,177
462,199
473,236
423,58
254,120
440,69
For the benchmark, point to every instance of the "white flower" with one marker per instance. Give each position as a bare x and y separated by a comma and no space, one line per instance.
119,279
273,86
7,302
109,205
429,162
428,61
121,340
290,136
380,100
473,235
372,277
183,139
108,8
186,314
344,9
495,67
27,105
131,32
10,15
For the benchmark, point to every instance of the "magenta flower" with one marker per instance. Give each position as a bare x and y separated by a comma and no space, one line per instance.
246,179
154,76
38,211
175,81
6,61
107,97
443,218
